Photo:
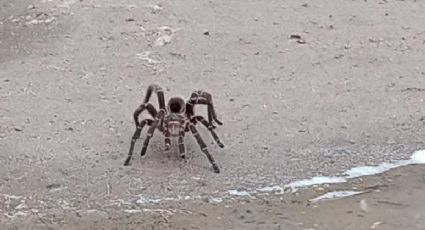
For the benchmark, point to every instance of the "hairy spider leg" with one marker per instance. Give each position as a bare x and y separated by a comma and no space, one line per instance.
149,107
181,143
167,138
210,128
191,104
202,97
136,136
211,106
159,92
204,147
209,98
151,131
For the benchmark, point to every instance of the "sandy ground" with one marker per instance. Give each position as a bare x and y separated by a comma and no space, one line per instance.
393,200
349,92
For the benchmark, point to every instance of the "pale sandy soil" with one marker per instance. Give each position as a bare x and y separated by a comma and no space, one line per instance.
351,92
393,200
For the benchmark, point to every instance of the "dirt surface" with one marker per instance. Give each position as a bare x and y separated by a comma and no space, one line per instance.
393,200
347,88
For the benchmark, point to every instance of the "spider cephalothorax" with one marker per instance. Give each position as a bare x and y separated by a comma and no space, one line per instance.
174,121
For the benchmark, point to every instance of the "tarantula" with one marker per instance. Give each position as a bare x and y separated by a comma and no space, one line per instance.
174,121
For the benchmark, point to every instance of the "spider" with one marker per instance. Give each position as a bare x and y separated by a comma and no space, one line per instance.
174,121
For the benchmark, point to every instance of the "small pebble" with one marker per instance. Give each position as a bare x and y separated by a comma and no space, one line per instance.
301,41
375,225
53,186
295,36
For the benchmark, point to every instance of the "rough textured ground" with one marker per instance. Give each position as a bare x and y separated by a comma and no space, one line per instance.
349,92
393,200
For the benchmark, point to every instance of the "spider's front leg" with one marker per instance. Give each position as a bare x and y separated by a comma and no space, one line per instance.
203,98
136,136
209,127
149,107
159,92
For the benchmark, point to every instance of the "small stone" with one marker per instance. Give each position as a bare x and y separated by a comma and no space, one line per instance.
129,20
49,20
304,5
53,186
295,36
375,225
206,32
18,128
